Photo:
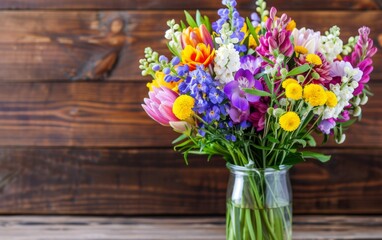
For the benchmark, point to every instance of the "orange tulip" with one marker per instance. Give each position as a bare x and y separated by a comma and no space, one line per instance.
199,55
194,36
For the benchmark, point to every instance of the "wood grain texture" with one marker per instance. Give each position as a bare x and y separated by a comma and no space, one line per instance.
63,45
109,114
184,228
157,182
195,4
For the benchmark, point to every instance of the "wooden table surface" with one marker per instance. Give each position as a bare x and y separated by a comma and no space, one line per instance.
175,228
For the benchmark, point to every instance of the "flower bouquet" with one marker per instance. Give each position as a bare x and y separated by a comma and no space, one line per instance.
257,91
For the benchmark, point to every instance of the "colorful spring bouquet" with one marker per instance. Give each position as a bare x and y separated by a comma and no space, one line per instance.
257,91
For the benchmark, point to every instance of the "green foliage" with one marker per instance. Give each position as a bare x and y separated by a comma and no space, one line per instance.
319,156
257,92
298,70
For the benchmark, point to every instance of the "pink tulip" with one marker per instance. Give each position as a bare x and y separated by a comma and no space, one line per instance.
159,105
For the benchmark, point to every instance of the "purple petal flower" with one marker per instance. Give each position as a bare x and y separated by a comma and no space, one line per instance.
327,125
238,116
249,62
239,102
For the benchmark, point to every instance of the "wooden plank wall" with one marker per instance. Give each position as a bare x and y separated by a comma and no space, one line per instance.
73,131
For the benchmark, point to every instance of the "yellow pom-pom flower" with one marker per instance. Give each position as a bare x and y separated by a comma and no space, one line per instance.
182,107
332,99
313,59
289,121
293,91
288,81
300,50
315,95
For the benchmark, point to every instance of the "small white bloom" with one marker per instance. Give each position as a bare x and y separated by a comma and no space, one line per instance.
364,100
357,111
331,45
345,79
227,62
354,84
225,35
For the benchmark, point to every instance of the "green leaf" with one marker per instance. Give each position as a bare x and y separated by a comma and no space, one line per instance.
179,139
252,31
173,51
348,123
257,92
268,60
319,156
198,17
197,152
190,20
272,139
182,25
310,140
299,70
208,24
300,141
293,158
268,81
325,140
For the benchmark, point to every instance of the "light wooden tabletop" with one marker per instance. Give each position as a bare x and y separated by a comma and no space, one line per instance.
175,228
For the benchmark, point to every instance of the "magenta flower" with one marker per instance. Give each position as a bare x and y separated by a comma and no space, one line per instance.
361,57
159,105
323,70
258,114
276,37
364,48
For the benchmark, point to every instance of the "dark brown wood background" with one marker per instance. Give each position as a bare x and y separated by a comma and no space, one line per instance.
73,130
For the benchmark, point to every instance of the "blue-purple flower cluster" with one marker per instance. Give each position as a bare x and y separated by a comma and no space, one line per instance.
231,15
211,101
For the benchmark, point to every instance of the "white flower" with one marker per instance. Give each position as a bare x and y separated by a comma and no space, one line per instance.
330,44
306,38
173,34
344,94
225,35
345,69
227,62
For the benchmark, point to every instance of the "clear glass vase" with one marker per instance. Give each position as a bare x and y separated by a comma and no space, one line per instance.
259,204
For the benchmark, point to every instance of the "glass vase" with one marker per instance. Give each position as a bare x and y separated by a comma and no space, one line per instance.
259,204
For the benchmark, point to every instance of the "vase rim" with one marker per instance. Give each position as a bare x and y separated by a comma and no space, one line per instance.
243,169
